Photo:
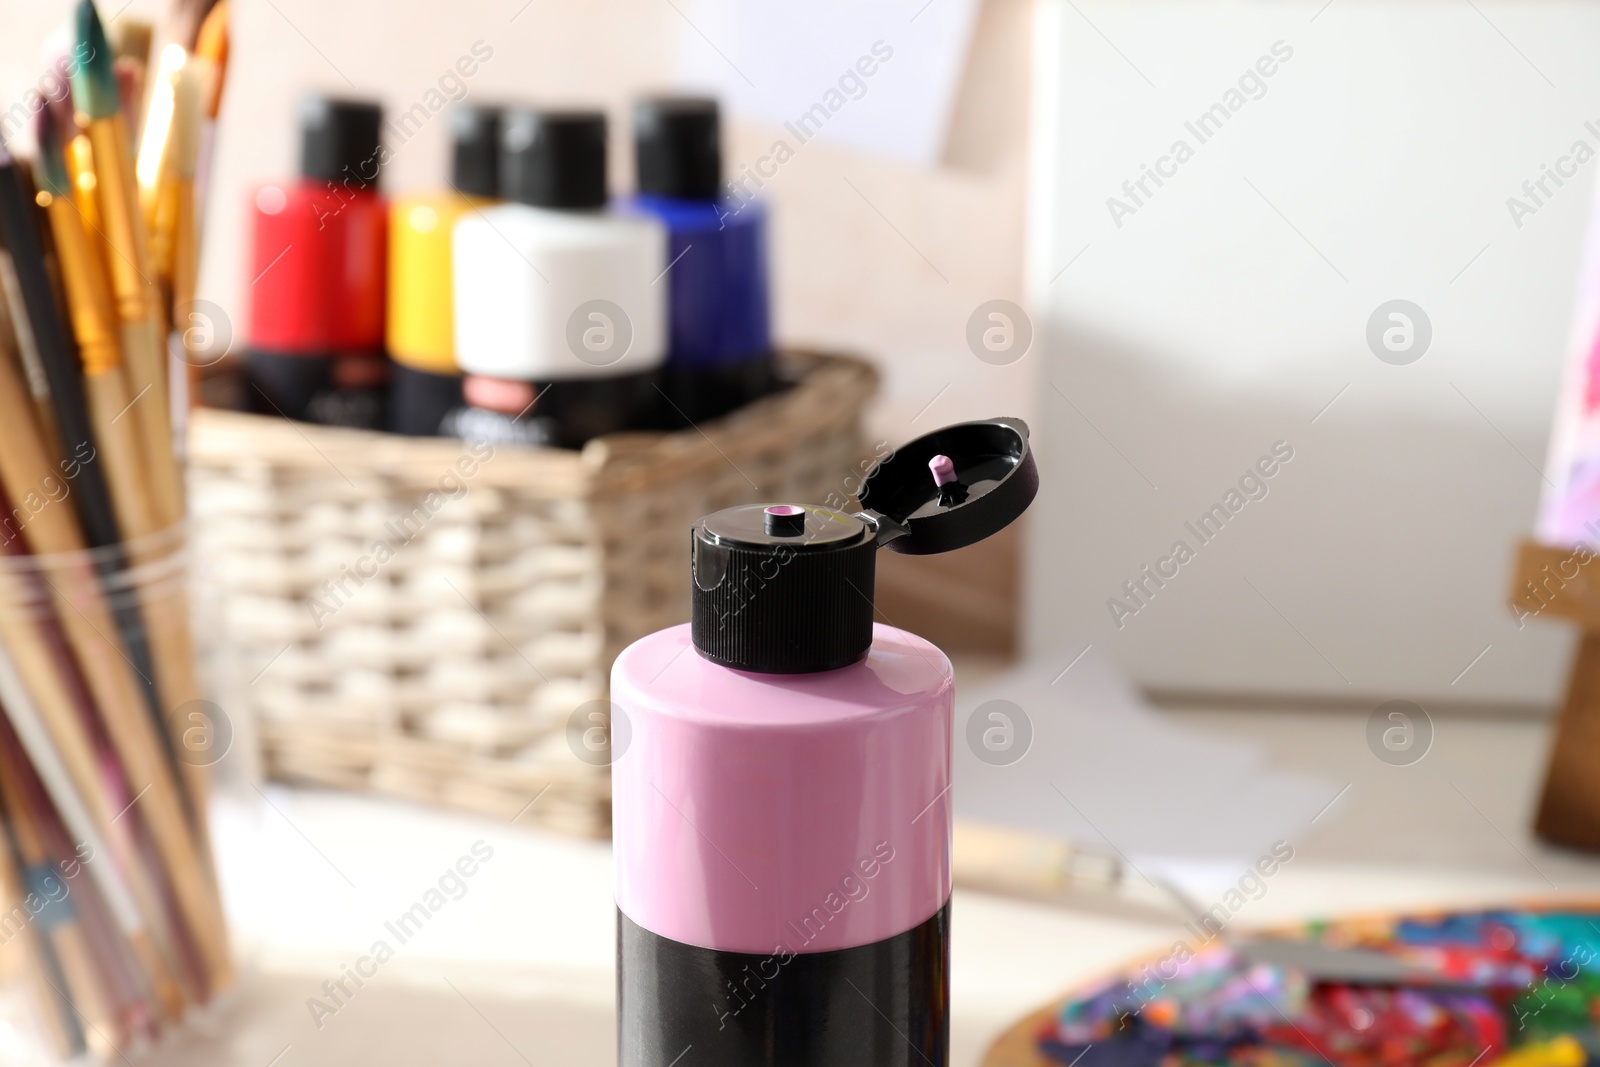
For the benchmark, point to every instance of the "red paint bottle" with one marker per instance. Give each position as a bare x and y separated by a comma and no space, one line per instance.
318,275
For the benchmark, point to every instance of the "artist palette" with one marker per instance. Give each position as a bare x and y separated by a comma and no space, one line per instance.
1517,987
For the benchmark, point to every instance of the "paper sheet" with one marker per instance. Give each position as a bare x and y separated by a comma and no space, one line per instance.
1105,771
880,77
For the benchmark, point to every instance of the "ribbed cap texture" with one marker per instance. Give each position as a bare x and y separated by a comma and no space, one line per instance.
795,611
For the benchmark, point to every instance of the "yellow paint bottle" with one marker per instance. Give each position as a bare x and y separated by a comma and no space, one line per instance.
426,385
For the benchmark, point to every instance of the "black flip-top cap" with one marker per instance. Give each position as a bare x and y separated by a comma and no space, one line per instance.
678,147
475,150
339,141
989,480
787,588
554,159
782,588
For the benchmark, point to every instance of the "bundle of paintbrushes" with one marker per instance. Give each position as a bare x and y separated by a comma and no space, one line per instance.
108,900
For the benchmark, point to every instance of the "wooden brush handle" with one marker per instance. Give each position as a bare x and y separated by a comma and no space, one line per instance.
36,669
145,368
185,271
138,307
166,615
103,1031
121,451
165,611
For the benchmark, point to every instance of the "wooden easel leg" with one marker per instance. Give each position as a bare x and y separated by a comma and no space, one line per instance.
1569,812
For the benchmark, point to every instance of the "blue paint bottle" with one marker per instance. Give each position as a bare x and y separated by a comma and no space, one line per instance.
719,353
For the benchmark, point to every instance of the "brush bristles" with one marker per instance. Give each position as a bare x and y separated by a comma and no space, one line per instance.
94,81
186,109
211,45
211,39
132,39
51,171
61,110
187,17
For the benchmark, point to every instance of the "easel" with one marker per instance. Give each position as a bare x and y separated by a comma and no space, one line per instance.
1564,583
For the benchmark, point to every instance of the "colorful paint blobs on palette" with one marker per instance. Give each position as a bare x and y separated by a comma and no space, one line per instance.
1486,989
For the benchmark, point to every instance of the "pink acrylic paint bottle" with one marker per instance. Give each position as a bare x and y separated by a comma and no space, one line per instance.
781,780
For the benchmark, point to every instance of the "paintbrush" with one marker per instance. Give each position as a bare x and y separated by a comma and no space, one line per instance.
130,57
77,456
138,740
94,91
57,919
211,56
196,336
87,624
94,324
61,1022
156,166
129,832
118,970
9,340
46,699
16,336
26,632
186,18
143,347
74,453
166,194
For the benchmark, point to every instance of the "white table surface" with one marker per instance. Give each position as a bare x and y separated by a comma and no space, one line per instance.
519,970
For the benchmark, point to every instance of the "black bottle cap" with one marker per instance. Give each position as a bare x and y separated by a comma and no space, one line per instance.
339,141
678,147
988,480
554,159
787,588
770,600
475,150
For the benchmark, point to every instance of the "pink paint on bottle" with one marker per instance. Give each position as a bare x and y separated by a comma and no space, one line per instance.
781,780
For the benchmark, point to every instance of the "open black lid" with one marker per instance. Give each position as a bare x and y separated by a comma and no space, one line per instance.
787,588
952,487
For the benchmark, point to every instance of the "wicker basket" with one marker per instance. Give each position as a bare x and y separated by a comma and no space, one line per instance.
413,617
